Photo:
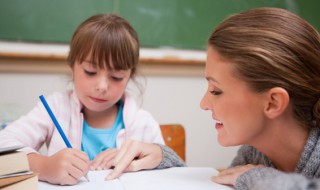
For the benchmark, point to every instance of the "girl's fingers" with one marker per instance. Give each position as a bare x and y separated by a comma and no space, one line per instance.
82,155
75,172
121,165
136,156
139,164
107,161
122,151
102,159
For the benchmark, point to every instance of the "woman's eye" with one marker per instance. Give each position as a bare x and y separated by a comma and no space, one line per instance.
215,92
90,73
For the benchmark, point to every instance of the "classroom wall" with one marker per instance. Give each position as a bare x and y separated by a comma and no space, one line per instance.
171,99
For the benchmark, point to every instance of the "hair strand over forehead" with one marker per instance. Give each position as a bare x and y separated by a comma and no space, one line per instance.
108,41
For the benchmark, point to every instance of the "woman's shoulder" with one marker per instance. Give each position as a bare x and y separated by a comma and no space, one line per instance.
250,155
250,150
247,149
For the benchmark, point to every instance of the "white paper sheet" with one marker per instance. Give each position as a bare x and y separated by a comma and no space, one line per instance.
186,178
96,182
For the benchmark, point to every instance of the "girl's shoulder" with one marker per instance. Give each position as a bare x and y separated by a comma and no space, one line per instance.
63,99
64,95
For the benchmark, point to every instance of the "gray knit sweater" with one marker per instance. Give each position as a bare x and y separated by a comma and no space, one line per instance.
305,177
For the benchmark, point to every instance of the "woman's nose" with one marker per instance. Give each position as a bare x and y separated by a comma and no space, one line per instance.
204,102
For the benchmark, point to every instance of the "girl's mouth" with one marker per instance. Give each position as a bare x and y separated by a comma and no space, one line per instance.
97,100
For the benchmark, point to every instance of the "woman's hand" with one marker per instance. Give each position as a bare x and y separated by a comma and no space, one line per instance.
65,167
104,160
135,156
229,176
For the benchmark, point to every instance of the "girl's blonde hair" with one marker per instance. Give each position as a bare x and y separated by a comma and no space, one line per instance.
272,47
109,40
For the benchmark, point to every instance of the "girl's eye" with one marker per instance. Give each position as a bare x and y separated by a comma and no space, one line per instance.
215,92
90,73
116,78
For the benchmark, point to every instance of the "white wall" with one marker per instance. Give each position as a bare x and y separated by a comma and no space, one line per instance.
170,100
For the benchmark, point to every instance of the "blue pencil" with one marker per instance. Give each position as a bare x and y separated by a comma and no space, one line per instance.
65,139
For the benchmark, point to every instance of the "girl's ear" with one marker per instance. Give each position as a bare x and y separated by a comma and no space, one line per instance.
277,101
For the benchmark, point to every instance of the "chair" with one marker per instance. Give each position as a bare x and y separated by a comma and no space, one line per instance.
175,138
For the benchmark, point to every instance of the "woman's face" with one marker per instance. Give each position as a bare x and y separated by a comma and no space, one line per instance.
237,110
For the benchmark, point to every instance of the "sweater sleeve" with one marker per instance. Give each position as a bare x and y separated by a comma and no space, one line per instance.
169,158
270,178
250,155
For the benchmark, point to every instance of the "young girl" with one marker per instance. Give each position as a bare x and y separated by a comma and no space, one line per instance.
97,116
263,72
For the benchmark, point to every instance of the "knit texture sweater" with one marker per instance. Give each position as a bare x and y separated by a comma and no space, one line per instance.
169,158
306,175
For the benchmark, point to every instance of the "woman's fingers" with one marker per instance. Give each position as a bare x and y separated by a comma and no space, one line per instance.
230,176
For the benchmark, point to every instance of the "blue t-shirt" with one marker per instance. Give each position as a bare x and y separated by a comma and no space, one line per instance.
94,141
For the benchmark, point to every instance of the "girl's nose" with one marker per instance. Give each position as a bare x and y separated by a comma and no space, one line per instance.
102,84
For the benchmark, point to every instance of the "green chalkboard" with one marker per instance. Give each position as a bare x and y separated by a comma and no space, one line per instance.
159,23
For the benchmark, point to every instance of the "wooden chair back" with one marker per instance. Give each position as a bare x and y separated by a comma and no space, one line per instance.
175,138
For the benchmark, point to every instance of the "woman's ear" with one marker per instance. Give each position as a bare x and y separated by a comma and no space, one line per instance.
277,101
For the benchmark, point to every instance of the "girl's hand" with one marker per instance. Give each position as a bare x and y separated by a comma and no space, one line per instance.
229,176
135,156
104,160
65,167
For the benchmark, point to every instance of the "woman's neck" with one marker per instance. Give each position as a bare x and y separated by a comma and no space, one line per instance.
284,144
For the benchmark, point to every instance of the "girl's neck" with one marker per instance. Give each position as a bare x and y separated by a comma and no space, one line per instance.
101,120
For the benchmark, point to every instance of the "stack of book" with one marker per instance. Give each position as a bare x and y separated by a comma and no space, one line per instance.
15,172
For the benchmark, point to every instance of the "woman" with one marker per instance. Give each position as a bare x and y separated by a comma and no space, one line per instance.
263,73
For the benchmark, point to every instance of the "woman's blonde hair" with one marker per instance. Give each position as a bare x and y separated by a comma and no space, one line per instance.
272,47
109,39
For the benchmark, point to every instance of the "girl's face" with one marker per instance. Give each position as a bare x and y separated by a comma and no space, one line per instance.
237,110
98,89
